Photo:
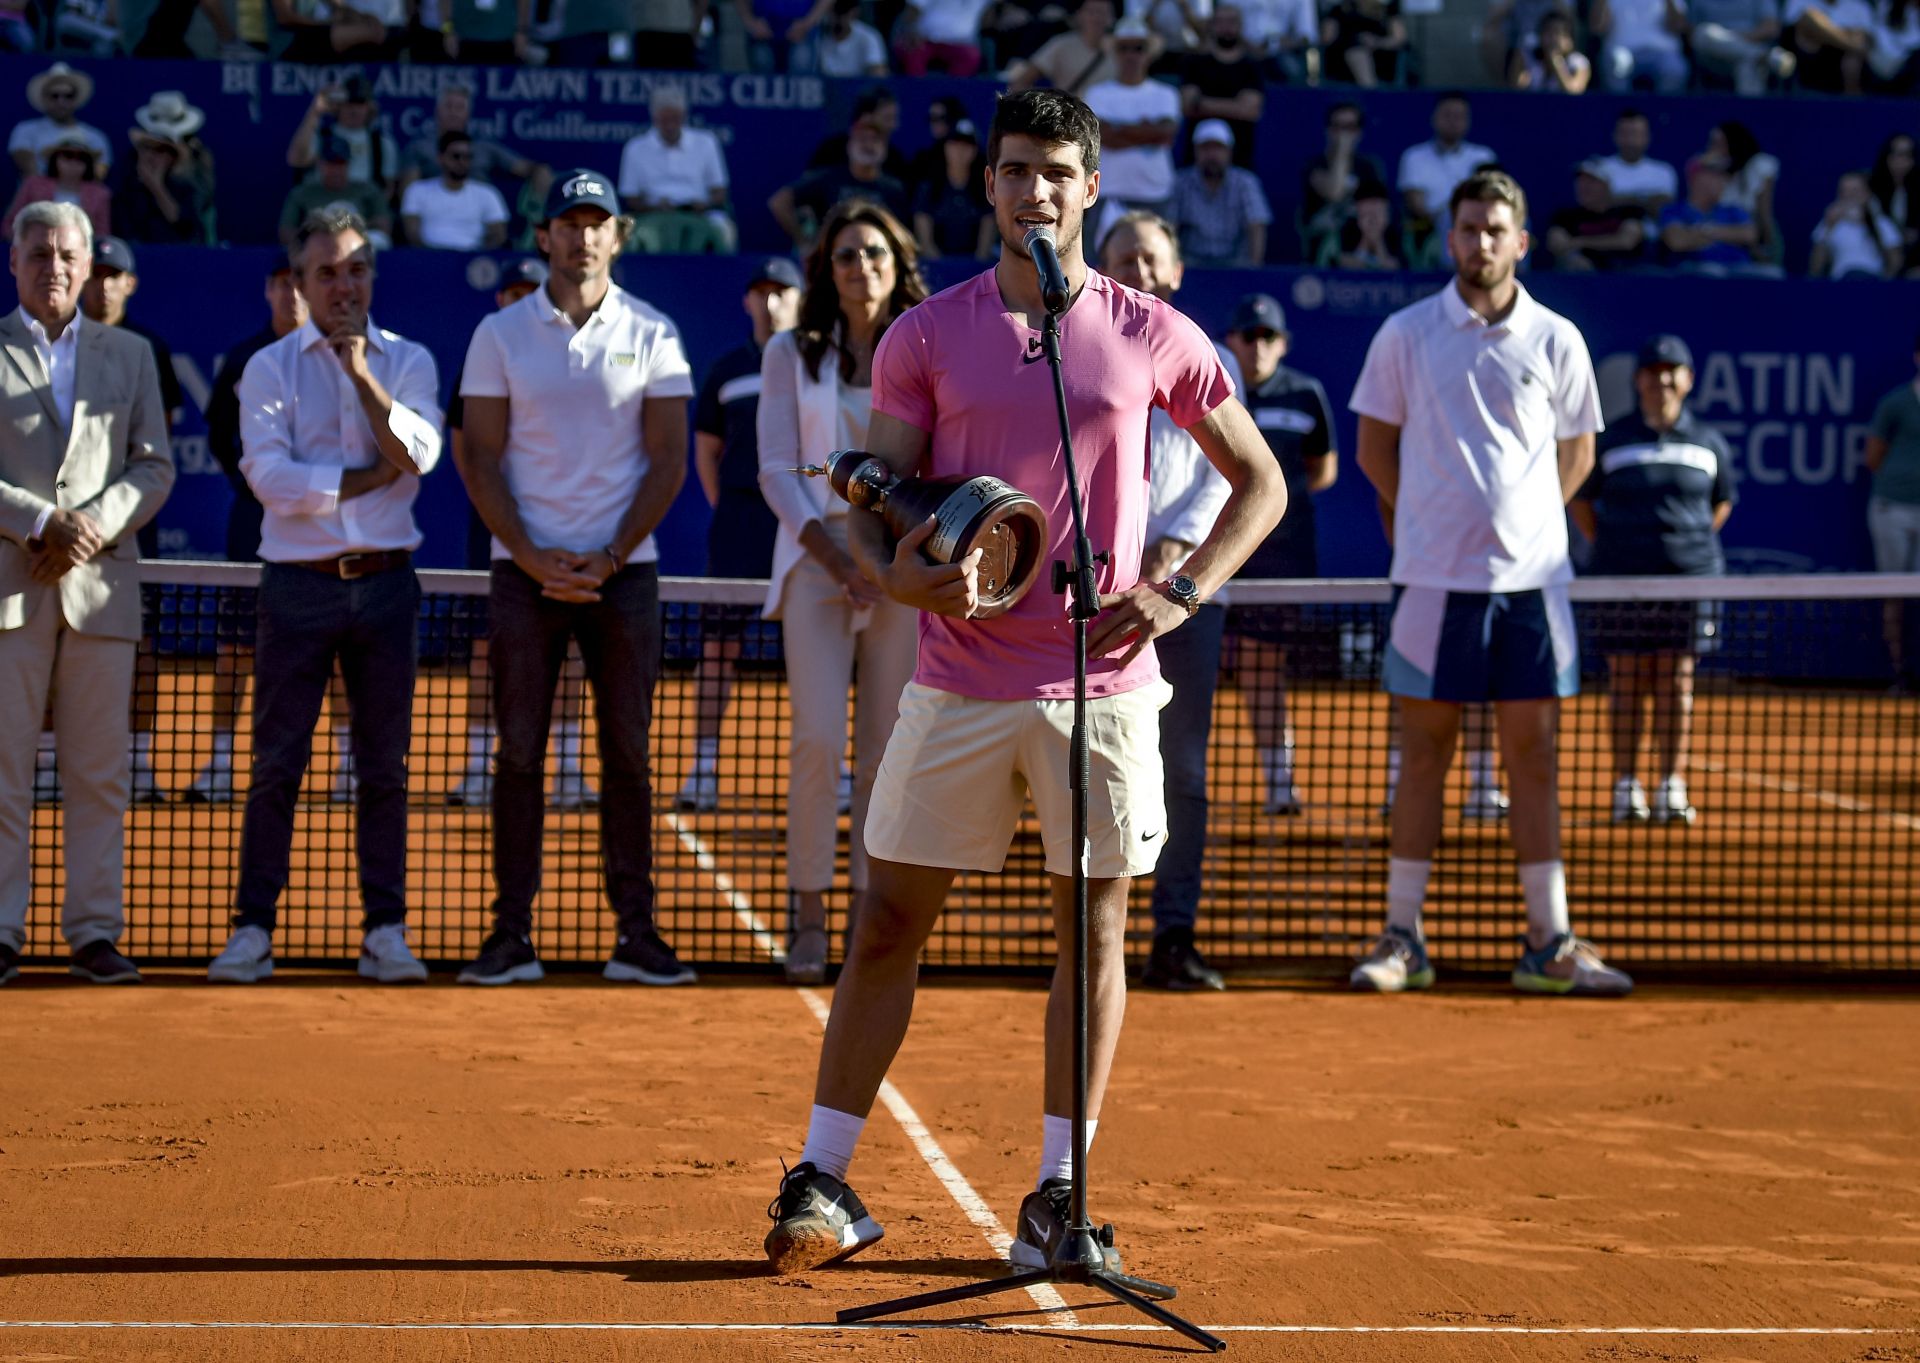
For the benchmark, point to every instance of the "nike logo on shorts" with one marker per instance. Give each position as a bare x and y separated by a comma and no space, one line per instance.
1149,837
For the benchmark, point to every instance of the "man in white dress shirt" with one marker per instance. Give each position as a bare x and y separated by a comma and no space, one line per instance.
339,421
673,179
574,447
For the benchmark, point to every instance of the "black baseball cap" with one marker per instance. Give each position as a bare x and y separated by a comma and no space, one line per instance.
779,271
964,131
581,188
282,263
1665,350
111,253
1259,312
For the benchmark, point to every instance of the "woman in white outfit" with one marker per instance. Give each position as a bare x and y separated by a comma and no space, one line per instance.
815,398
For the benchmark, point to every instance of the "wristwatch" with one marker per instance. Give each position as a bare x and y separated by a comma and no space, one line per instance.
1184,591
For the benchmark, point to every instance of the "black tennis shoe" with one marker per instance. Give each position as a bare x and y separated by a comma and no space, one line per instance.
1175,963
1044,1217
817,1220
505,958
645,958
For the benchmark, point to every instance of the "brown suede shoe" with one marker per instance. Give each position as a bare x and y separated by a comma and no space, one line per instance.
101,963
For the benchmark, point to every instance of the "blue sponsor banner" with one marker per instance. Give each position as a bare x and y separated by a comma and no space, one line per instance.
1789,370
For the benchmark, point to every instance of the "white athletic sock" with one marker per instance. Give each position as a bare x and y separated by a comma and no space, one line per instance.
223,745
831,1138
1393,772
46,740
566,742
1481,772
142,747
1056,1146
1277,763
343,742
706,754
1407,895
479,747
1545,885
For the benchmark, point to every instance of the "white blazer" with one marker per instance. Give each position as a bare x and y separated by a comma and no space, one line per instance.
798,423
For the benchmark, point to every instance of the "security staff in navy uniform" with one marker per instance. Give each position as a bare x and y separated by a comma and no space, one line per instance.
726,456
1291,410
1661,489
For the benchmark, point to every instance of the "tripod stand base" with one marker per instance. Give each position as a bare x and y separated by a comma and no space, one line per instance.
1142,1294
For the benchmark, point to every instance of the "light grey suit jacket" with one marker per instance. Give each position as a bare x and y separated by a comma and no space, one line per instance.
114,465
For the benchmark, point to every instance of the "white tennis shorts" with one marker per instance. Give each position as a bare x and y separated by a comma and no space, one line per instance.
957,772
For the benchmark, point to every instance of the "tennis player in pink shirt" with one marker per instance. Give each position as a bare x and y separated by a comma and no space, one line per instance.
960,386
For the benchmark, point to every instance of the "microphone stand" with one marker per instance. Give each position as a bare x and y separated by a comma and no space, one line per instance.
1081,1256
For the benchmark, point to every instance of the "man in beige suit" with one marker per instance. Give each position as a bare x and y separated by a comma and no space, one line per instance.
83,464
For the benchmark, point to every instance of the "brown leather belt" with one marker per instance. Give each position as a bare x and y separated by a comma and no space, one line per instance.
346,567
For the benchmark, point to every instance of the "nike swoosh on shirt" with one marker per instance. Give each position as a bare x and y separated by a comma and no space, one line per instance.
1033,351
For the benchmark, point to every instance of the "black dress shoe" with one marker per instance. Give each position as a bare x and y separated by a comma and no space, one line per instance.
101,963
1176,964
9,963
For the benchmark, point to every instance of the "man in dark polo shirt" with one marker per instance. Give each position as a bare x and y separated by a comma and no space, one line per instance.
1660,490
726,457
1291,410
1595,232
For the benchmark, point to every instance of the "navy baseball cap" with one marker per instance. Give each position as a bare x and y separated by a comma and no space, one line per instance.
1665,350
528,271
282,263
777,270
111,253
581,189
1259,312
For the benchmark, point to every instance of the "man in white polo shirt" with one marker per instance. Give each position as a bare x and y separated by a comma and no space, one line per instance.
339,421
673,179
575,440
1478,412
454,211
1430,170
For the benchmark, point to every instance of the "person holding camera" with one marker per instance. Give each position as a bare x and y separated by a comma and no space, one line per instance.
349,113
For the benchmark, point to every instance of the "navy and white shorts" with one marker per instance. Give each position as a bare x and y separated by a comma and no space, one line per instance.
1481,646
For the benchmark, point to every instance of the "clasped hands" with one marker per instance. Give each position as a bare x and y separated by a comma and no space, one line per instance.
69,539
567,576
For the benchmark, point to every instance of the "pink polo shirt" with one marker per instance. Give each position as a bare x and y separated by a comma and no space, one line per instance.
971,374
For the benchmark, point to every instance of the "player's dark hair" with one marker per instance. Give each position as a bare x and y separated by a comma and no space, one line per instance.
1489,186
1052,118
822,324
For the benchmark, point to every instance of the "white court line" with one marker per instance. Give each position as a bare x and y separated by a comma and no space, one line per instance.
971,1327
1825,797
970,1202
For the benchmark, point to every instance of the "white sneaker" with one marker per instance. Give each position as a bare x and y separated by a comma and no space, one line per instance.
1670,802
386,957
213,786
700,792
1572,966
1283,801
145,789
475,789
1629,801
346,786
570,789
1396,962
1484,802
247,956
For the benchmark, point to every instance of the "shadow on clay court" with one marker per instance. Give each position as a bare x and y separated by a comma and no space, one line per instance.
632,1270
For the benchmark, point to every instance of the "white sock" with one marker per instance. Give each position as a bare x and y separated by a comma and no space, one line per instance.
831,1138
342,743
706,754
1056,1146
479,747
1545,885
1278,763
46,740
1481,773
1393,771
223,747
142,747
1407,895
566,741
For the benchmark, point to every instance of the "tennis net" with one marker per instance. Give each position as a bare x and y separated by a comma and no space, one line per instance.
1801,858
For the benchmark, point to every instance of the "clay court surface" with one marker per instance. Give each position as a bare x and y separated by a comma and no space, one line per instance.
573,1153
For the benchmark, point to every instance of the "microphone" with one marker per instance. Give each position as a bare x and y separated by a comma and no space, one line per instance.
1046,259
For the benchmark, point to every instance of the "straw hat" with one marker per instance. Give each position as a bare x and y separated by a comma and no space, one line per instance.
81,82
167,117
